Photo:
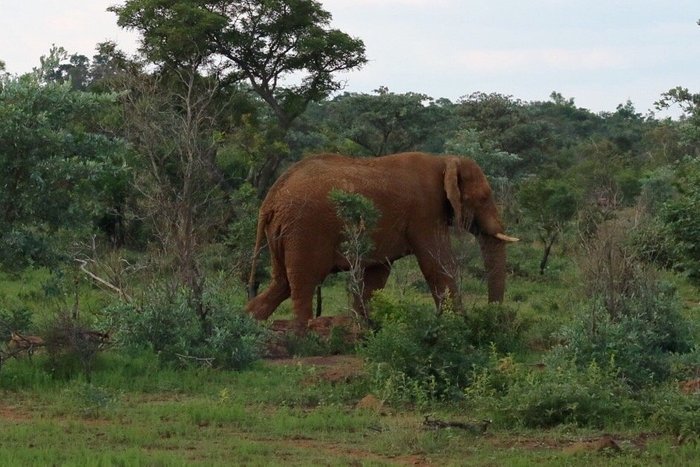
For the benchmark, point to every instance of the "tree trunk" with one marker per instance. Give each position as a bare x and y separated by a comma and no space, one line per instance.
548,244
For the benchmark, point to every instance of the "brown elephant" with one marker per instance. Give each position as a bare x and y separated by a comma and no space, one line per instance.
419,196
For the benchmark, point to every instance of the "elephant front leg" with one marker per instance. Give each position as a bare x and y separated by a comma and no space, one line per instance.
440,271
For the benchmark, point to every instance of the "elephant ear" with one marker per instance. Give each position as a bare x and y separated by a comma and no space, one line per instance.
454,194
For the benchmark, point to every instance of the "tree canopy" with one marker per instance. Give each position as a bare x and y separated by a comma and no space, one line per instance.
55,165
284,50
262,41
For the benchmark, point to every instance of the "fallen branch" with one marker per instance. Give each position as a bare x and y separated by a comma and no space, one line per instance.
19,343
206,361
83,267
474,427
8,354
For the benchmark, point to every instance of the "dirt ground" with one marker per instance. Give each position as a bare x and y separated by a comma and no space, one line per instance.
332,368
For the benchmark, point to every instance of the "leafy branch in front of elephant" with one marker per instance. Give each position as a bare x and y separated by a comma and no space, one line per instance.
359,217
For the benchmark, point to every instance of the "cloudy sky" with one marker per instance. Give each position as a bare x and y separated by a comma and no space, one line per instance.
600,52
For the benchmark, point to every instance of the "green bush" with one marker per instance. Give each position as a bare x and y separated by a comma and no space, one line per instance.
16,319
359,217
681,218
669,410
652,243
562,393
418,355
72,346
630,318
554,392
640,340
685,365
167,322
88,400
496,324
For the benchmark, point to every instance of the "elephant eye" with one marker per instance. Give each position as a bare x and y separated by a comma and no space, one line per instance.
480,195
477,199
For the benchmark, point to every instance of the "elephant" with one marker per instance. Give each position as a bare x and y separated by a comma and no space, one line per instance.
419,197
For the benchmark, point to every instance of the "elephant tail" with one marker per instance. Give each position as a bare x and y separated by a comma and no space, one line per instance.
263,220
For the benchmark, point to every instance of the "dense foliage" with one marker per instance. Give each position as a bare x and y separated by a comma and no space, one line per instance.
167,323
56,164
419,355
129,191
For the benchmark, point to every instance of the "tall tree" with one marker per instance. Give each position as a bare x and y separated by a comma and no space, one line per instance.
689,126
550,203
284,49
681,216
170,120
54,160
387,122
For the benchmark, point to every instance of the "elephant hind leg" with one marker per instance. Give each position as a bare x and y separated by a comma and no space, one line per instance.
302,297
303,282
262,306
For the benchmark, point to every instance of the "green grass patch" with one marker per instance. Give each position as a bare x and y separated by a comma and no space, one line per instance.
141,409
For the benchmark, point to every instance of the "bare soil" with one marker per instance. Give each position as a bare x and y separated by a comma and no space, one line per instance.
331,368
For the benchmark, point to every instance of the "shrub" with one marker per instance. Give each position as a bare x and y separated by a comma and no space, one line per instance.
681,217
167,322
630,317
669,410
72,346
640,342
240,238
359,217
652,243
88,400
496,324
16,319
417,354
164,322
562,393
557,391
686,365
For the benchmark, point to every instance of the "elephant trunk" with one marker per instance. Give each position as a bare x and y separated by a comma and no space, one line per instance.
493,252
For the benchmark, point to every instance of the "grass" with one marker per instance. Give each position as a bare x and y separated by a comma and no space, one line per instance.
137,412
132,414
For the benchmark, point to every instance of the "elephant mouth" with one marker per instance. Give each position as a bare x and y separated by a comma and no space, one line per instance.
474,227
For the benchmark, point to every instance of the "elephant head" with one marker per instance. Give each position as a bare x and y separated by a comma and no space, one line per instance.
475,210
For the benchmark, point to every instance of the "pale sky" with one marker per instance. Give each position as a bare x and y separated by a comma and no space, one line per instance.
600,52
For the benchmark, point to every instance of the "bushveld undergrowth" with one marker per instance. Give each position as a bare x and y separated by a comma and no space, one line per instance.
554,363
166,322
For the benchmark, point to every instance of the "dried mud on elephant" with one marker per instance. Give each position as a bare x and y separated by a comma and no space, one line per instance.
419,197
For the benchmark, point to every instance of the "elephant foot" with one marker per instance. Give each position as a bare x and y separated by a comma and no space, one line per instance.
258,316
300,327
259,311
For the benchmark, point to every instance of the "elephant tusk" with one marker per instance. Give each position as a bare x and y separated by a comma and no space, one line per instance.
506,238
